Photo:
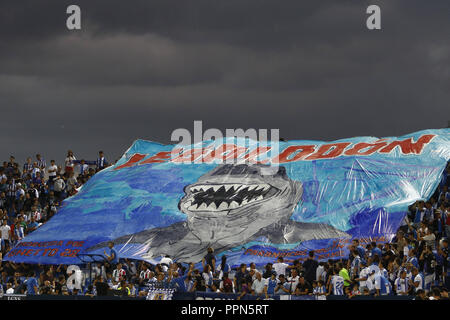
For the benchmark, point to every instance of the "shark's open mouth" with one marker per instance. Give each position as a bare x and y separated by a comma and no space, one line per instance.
221,197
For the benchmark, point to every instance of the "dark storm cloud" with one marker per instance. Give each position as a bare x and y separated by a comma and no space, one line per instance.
139,69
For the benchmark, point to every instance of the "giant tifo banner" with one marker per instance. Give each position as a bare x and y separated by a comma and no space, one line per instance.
309,195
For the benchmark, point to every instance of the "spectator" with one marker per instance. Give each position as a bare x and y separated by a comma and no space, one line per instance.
52,171
259,285
68,162
31,283
402,285
344,274
112,257
280,267
59,186
226,285
119,273
207,277
303,287
436,294
283,286
5,231
336,284
293,280
84,168
223,267
417,281
310,267
210,259
41,163
101,161
239,276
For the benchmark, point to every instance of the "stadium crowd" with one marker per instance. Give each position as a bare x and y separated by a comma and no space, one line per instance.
414,263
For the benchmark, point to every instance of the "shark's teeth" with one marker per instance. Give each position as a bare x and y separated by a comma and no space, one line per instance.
212,206
227,196
233,205
259,188
223,206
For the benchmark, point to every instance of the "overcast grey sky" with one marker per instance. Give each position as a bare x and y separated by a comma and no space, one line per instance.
140,69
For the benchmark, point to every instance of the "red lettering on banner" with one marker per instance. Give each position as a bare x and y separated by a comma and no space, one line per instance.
65,253
224,152
160,157
328,151
407,146
294,150
74,253
356,150
256,153
188,156
135,158
52,252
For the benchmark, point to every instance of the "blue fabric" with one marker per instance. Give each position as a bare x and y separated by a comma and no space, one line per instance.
360,186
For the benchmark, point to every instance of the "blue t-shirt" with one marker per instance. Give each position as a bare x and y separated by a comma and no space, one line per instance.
31,283
116,257
179,284
271,284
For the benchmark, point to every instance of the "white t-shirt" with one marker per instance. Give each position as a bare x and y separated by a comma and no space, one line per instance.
319,271
55,168
5,232
69,160
258,286
280,267
364,273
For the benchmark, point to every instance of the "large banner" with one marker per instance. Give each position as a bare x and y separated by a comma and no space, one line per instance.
307,195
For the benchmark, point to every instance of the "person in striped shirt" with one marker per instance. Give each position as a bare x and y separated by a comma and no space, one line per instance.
28,166
381,285
119,273
401,284
336,284
41,162
319,291
412,258
355,264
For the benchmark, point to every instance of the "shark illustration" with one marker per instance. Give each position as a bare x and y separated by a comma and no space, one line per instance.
227,207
